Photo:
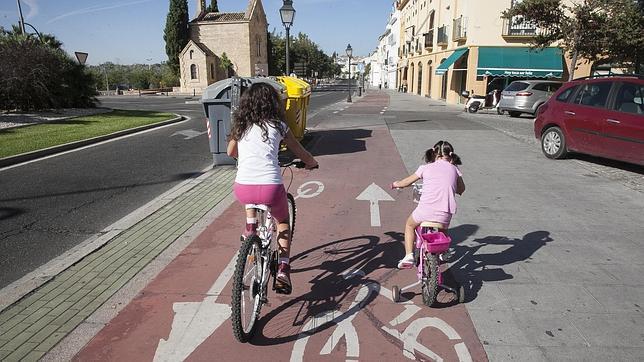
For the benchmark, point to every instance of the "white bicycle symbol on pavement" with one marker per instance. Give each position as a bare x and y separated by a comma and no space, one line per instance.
345,328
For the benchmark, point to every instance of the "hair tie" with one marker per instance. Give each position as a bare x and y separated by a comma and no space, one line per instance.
451,153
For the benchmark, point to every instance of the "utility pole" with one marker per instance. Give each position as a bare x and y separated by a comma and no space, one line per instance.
22,21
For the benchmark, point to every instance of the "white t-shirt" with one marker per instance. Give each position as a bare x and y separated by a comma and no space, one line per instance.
257,162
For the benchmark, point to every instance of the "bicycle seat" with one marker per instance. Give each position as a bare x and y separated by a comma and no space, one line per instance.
432,224
256,206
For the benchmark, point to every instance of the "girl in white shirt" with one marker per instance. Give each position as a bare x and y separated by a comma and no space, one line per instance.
255,140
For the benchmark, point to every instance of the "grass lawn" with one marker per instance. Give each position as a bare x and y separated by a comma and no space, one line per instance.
14,141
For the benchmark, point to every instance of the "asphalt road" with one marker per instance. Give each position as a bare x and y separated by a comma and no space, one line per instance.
51,205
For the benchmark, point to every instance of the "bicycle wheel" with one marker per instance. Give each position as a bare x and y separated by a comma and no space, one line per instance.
246,298
430,279
291,213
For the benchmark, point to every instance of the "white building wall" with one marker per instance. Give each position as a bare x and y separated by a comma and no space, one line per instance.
393,46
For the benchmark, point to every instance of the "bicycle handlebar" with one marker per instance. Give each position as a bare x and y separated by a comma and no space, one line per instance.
296,164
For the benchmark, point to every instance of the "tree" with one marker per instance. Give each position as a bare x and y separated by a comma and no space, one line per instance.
606,30
212,8
226,64
176,33
302,50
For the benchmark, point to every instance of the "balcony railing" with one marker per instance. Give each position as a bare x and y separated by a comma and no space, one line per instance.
515,27
429,39
460,29
442,35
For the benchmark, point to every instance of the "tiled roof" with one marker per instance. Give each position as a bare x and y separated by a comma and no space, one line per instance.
224,17
204,49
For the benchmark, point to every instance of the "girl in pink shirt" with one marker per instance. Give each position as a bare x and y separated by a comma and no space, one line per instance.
441,181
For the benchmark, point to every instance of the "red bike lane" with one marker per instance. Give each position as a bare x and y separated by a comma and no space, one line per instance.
346,244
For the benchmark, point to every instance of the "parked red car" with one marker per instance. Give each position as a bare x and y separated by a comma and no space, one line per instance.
601,116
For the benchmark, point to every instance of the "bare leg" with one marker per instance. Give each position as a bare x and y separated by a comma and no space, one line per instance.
410,234
284,239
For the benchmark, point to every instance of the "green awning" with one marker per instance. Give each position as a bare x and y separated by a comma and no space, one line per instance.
458,53
520,62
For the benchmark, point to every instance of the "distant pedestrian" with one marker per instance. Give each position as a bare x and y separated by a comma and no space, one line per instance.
441,181
258,128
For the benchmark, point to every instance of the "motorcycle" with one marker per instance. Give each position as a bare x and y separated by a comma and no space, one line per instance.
475,103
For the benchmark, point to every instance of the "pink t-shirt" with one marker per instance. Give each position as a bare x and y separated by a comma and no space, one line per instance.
439,186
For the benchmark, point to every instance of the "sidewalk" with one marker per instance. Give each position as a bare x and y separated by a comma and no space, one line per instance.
43,317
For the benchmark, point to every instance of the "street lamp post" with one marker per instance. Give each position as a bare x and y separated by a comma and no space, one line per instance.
287,13
349,51
22,20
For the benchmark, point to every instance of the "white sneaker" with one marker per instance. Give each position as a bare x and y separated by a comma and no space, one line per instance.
407,262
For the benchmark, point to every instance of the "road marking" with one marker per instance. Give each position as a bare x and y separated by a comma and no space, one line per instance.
374,193
344,327
194,322
306,192
188,133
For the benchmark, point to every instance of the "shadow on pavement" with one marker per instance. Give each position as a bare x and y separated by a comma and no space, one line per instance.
172,178
334,288
334,142
9,212
609,163
472,269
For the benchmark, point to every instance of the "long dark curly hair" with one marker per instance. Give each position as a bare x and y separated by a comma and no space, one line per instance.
261,105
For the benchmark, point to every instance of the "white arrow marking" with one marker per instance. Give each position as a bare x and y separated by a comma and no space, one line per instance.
188,133
194,322
374,193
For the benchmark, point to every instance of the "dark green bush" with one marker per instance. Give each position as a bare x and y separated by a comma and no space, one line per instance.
34,75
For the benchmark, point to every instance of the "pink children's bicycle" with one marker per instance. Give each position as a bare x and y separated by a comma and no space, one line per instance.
431,249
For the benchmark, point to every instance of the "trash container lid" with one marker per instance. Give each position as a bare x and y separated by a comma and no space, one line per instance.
295,86
220,89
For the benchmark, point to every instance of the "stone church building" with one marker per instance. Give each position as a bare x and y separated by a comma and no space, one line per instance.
243,36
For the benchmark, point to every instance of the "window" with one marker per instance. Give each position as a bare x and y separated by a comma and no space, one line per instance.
259,47
191,52
516,87
212,70
593,94
544,87
630,99
563,97
193,71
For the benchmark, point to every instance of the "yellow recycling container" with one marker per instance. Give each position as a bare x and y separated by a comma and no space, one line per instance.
297,104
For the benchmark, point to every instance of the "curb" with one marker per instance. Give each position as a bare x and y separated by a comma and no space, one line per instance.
28,156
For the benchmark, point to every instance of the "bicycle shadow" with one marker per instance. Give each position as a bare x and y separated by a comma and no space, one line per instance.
344,266
472,268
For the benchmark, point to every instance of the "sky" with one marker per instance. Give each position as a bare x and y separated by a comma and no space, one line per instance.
131,31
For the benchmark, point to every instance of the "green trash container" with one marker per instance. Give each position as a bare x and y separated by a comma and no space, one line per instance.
297,105
220,100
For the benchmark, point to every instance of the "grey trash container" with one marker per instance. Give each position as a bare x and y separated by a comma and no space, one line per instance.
219,100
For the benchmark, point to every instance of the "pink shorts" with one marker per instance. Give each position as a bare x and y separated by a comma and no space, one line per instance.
270,195
419,215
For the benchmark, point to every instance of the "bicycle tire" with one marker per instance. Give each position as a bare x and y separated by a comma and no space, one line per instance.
244,331
291,214
430,279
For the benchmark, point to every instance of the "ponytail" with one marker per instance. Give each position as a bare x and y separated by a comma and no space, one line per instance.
442,149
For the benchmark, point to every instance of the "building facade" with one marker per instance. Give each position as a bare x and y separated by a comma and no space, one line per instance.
242,36
384,64
448,46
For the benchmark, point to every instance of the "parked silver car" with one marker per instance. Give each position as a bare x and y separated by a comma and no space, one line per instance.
526,96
